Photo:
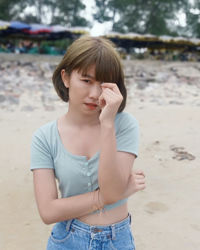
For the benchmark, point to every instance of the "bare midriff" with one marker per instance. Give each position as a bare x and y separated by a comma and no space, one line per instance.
107,217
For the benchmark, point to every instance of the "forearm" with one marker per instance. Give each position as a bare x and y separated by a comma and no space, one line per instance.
68,208
110,175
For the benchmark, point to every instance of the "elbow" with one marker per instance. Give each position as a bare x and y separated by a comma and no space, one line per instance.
112,196
47,219
46,222
47,216
109,198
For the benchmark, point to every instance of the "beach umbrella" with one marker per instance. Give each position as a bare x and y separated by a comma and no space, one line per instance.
4,25
19,25
38,28
60,32
58,28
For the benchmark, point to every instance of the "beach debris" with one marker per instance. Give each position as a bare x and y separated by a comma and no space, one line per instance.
49,108
2,98
181,154
142,84
30,81
163,83
156,142
175,102
195,227
155,206
147,82
27,108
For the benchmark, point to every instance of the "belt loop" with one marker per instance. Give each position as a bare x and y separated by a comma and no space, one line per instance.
130,218
68,224
113,232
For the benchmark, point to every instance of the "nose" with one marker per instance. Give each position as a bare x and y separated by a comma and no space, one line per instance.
95,91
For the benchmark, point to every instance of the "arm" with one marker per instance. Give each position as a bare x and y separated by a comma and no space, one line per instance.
53,209
114,167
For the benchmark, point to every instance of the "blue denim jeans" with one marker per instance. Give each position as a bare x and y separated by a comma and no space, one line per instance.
76,235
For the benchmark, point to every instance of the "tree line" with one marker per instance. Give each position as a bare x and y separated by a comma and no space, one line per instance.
156,17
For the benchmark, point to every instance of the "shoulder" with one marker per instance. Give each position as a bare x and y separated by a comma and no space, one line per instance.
127,133
45,130
125,119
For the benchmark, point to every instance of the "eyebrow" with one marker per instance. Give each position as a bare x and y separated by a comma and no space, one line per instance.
89,76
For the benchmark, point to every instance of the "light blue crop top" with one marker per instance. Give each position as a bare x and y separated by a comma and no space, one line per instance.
76,174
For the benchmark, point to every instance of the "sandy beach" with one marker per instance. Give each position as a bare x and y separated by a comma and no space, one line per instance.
165,99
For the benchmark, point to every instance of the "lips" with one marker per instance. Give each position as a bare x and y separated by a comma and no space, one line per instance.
91,106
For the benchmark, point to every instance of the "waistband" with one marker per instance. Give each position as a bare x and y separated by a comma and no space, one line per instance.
95,229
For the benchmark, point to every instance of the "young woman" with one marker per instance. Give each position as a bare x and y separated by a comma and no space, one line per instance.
90,150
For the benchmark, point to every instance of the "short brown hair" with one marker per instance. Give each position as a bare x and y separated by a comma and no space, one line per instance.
86,52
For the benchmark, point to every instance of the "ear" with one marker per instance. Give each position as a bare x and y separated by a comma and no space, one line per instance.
65,78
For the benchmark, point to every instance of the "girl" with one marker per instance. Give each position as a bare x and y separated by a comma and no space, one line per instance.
90,150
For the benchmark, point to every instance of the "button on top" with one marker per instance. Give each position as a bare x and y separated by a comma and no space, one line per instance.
89,184
96,230
88,173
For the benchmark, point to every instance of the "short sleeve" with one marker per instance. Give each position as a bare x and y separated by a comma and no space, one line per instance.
40,152
128,134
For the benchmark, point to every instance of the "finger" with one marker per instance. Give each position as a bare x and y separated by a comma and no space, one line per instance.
110,93
141,186
109,85
139,177
139,172
113,95
140,181
112,86
102,101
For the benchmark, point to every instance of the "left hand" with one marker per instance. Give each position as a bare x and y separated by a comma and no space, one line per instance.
136,182
109,102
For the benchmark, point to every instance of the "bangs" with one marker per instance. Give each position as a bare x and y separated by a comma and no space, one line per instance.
107,66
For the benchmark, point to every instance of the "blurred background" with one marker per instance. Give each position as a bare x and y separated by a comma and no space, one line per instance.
159,43
139,28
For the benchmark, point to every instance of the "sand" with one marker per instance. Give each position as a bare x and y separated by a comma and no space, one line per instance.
166,214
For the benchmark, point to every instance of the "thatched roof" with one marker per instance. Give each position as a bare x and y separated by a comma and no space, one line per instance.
140,41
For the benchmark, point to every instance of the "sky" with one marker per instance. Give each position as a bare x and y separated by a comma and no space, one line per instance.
97,28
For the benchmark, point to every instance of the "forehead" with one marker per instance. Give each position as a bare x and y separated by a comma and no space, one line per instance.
89,72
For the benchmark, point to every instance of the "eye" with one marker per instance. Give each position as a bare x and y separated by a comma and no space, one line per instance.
86,80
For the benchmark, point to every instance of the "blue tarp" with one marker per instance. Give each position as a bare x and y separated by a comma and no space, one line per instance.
39,31
19,25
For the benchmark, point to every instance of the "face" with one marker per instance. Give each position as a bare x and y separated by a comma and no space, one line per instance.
84,91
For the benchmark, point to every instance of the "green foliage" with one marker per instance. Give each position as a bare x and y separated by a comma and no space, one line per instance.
68,13
62,12
193,19
10,9
156,17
